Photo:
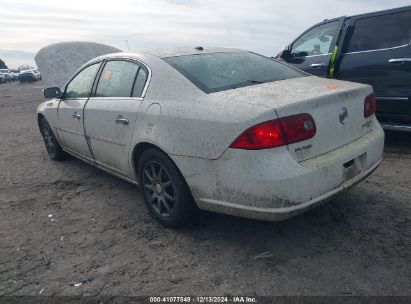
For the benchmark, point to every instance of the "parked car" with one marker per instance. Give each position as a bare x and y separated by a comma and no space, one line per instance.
29,75
371,48
37,72
223,130
14,75
2,78
6,73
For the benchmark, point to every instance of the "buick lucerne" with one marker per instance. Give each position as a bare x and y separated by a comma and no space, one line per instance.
222,130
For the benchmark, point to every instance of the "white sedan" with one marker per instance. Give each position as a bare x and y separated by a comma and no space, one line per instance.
223,130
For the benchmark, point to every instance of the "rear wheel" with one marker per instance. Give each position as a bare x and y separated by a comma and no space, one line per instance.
165,191
52,145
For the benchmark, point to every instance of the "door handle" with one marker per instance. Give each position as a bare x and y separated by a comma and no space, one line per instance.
399,60
121,120
317,65
76,115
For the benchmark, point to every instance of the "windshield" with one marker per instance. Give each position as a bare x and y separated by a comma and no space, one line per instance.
214,72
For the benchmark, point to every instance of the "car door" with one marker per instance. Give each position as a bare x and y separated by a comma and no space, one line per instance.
377,51
312,50
70,114
110,115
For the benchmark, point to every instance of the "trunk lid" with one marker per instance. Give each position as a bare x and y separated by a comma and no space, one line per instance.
324,99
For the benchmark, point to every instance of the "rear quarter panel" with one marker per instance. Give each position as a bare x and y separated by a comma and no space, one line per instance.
201,127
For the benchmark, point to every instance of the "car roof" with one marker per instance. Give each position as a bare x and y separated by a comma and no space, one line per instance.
181,51
387,11
369,14
161,53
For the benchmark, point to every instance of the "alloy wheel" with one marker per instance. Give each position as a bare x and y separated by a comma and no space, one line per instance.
159,189
48,138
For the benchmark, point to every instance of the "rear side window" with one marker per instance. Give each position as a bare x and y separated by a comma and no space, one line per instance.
381,32
140,82
80,86
213,72
117,79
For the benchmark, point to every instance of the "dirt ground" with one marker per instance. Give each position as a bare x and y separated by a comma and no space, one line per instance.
67,228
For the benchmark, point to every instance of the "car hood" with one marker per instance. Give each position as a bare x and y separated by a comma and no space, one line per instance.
58,62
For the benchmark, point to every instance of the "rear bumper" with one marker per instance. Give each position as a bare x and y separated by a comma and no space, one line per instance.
271,185
282,213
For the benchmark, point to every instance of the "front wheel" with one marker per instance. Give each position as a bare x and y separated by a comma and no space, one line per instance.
52,145
165,191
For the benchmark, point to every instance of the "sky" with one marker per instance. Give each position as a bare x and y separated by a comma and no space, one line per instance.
263,26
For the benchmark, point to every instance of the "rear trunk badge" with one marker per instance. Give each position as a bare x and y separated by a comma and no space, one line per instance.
343,115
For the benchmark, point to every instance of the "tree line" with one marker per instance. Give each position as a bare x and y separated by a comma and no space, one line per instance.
22,67
3,64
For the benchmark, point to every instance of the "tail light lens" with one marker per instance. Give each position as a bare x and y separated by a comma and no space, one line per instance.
276,133
298,127
265,135
370,105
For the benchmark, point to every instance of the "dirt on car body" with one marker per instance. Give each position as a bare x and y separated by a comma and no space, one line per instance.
69,229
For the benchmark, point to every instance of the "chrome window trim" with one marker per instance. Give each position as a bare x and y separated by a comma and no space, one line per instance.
100,60
393,98
310,56
377,50
143,93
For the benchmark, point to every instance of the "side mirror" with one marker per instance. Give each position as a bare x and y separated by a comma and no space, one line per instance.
284,54
52,92
300,54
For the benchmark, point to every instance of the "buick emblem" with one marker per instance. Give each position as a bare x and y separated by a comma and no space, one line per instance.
343,115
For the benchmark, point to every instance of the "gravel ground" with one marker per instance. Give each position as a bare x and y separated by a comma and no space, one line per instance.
67,228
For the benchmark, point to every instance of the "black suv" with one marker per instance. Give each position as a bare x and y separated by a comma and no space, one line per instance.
371,48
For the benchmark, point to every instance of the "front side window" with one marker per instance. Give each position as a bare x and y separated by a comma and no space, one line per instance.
316,41
117,79
80,86
381,32
213,72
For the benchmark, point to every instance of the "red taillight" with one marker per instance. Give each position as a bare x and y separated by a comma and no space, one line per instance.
262,136
276,133
298,127
370,105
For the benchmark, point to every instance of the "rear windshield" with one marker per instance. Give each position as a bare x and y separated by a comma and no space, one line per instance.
214,72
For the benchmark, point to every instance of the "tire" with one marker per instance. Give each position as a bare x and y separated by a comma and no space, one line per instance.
52,145
165,191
